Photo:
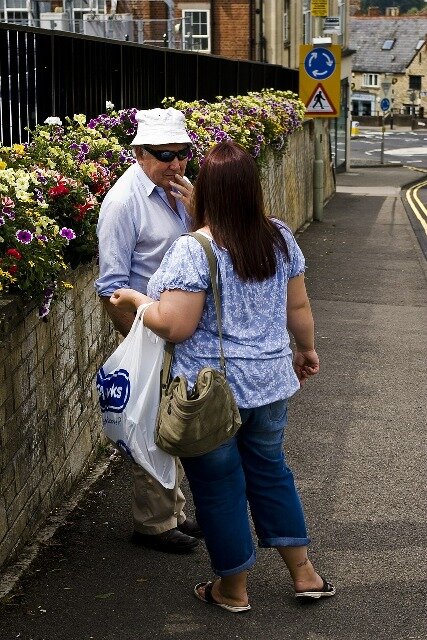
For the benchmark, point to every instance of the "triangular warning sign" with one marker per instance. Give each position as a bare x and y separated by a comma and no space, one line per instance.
319,102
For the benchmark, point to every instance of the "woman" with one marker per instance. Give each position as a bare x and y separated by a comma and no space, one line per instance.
263,296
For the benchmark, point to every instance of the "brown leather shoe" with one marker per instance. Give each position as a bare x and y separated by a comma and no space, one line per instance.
172,541
190,528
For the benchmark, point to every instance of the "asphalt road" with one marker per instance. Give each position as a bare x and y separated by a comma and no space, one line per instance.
400,146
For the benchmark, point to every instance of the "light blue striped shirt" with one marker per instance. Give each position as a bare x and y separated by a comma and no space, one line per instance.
136,227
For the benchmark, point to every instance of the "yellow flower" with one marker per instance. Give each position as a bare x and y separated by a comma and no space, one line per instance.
67,285
31,263
3,165
19,149
80,118
23,196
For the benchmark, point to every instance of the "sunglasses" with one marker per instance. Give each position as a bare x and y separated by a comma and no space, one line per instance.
168,156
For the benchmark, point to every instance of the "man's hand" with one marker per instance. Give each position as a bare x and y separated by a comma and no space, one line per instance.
306,363
182,189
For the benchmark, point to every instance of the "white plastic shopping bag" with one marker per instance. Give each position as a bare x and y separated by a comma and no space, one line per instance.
129,393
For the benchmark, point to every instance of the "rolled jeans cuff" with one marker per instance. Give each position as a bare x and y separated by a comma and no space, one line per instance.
266,543
243,567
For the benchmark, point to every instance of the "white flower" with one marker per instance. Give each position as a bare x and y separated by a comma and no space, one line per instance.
109,105
53,120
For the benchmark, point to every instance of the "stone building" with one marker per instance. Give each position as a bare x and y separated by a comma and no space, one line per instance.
390,61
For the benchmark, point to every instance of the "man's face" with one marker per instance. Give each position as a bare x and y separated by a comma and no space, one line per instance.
161,173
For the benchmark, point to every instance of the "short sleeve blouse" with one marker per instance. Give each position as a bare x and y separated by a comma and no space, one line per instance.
255,338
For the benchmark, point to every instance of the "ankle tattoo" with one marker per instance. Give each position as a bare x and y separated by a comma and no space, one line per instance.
301,564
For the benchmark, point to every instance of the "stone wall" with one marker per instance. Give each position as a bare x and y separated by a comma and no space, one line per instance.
288,180
49,422
50,428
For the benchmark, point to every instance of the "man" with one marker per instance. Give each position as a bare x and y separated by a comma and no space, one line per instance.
140,217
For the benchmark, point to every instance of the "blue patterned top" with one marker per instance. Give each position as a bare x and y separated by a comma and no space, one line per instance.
255,338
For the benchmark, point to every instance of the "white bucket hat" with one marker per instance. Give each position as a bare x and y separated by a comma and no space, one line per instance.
160,126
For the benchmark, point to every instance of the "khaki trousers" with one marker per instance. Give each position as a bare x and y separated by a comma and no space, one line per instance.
154,508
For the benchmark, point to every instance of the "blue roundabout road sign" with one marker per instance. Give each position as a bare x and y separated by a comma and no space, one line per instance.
319,63
385,104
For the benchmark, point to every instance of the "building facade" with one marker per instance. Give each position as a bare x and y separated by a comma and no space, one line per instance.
390,61
268,31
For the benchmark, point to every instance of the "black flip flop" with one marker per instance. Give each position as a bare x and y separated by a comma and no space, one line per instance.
209,599
326,590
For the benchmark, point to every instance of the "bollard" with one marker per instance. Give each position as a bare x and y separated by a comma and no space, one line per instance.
355,128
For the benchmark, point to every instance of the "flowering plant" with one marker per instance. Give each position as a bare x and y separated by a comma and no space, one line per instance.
32,244
257,121
51,188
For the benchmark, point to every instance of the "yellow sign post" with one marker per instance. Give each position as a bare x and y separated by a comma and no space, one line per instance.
320,80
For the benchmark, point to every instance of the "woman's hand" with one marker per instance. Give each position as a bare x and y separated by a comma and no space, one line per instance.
306,363
182,189
128,299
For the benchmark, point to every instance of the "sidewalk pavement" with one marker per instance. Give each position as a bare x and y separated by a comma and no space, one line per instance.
356,441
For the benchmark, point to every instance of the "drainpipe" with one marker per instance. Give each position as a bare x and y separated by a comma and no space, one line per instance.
213,30
251,29
262,39
318,170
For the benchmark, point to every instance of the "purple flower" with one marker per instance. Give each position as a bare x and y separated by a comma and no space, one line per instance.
24,236
7,211
47,299
1,221
84,148
42,237
39,195
67,233
74,145
41,177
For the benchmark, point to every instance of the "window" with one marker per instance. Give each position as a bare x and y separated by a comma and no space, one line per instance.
370,80
80,7
306,22
388,44
286,9
415,82
15,11
196,31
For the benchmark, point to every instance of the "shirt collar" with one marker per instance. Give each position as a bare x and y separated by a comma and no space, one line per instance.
148,184
149,187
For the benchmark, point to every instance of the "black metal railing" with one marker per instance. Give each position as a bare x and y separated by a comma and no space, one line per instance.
50,73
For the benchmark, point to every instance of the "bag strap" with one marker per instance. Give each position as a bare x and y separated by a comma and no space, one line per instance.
169,346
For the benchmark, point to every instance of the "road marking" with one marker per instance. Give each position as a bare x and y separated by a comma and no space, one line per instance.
407,151
413,191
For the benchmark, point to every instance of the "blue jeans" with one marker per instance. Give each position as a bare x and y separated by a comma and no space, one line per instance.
250,467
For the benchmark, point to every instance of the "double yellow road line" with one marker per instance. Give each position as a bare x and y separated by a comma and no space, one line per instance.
418,208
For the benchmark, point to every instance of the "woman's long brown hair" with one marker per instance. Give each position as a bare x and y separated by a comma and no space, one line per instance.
228,198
